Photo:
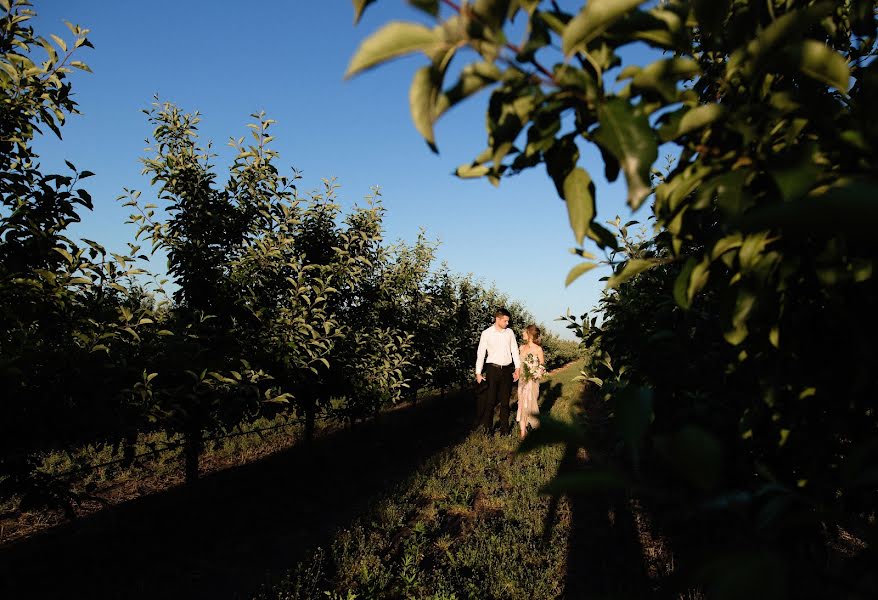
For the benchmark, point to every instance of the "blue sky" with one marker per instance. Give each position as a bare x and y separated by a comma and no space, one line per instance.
228,59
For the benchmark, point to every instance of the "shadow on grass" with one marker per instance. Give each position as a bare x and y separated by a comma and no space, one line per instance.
549,394
605,554
220,537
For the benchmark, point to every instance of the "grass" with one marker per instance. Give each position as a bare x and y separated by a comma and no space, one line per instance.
470,523
98,477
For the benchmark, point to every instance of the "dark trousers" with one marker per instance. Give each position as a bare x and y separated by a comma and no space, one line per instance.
498,391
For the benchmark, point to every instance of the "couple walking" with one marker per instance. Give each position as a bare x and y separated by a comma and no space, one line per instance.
500,363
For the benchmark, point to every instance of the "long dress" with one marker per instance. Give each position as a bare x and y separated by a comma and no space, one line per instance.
528,393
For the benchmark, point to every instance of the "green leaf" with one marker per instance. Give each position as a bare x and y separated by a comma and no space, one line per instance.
736,330
632,267
578,270
431,7
723,245
422,101
473,77
593,20
391,41
67,256
60,42
491,12
658,27
561,159
662,76
784,29
471,171
78,64
819,61
579,194
602,236
9,70
359,7
691,279
628,136
796,180
687,120
569,77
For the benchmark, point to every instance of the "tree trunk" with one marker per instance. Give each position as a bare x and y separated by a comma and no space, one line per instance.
128,448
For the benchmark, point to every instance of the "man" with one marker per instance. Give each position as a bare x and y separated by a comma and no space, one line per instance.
501,369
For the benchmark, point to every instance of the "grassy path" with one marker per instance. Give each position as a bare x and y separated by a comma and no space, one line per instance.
469,524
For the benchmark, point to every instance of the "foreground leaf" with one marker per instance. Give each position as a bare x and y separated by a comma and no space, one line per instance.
629,138
593,20
579,195
359,7
632,267
391,41
578,271
422,101
820,62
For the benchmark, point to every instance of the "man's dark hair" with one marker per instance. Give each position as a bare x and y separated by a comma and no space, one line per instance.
502,312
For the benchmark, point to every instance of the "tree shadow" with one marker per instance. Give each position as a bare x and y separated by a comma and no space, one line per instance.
549,395
605,556
223,536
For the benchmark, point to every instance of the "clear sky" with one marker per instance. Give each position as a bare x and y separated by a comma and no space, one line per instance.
230,59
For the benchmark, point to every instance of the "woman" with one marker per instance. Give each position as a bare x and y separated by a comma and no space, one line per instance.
533,367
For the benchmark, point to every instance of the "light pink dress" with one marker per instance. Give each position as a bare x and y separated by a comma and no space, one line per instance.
528,408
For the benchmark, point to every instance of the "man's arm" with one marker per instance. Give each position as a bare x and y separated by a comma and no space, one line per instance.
516,356
513,348
480,357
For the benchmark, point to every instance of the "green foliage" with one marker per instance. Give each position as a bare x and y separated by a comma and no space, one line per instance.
745,314
62,305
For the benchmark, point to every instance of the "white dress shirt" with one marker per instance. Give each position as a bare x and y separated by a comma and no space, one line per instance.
501,347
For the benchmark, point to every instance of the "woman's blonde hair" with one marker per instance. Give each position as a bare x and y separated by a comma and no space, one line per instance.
533,333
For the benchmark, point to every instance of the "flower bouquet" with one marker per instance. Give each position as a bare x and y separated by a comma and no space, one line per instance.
531,368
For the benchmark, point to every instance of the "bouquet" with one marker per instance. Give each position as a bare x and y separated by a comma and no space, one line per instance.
531,368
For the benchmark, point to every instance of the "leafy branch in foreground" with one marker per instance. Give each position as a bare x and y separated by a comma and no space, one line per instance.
747,317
